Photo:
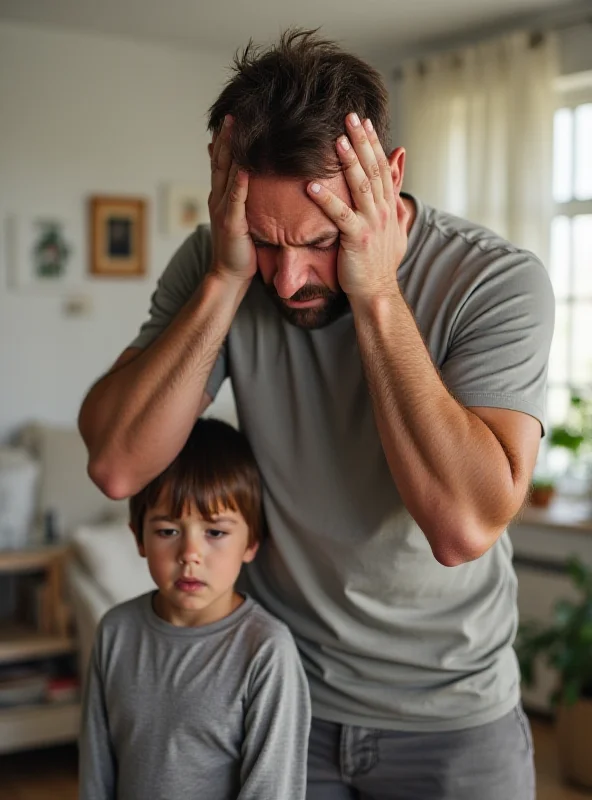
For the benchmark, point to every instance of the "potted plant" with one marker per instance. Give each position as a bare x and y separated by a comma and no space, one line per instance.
575,437
566,645
542,491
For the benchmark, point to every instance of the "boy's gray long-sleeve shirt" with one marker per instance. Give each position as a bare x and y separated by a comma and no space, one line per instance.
220,712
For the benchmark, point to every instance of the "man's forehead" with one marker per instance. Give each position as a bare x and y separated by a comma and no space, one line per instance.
281,206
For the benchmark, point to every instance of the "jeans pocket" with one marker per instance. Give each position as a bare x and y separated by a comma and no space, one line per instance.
524,725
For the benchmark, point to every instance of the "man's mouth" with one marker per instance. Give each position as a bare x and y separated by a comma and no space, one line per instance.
189,584
315,302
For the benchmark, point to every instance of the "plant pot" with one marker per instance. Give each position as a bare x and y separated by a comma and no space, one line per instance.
574,740
541,496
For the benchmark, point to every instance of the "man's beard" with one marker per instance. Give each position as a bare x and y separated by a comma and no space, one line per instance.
335,305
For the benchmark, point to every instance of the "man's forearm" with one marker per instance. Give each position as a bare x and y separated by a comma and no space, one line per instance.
137,417
451,471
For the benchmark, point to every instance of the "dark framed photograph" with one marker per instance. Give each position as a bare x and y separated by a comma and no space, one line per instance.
117,236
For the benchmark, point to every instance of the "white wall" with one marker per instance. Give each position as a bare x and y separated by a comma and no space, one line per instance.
83,115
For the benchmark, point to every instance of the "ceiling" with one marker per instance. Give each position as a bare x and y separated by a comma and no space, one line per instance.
381,30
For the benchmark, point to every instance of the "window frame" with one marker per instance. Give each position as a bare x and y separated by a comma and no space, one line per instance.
571,91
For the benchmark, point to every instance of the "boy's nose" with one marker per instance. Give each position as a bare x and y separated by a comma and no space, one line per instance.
189,558
190,553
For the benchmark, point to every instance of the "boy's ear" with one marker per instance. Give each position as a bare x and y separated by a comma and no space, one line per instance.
250,553
139,545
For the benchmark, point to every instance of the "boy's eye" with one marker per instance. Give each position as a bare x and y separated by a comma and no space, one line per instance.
214,533
167,533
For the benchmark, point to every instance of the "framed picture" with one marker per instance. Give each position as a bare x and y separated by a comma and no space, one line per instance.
117,236
42,252
184,207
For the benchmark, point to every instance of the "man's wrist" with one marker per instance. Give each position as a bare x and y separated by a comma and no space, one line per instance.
377,306
219,275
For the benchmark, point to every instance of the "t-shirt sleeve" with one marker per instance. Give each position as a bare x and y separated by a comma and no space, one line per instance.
501,338
277,725
176,285
97,773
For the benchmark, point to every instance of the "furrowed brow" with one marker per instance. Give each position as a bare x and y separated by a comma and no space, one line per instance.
328,236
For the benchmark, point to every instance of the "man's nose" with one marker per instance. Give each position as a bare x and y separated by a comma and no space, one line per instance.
291,271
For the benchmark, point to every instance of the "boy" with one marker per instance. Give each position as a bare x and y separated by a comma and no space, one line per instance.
194,690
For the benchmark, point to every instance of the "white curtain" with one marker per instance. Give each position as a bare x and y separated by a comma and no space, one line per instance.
478,129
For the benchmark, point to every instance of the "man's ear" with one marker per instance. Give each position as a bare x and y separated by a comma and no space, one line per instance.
139,545
396,162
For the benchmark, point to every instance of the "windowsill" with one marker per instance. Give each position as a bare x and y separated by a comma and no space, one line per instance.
574,514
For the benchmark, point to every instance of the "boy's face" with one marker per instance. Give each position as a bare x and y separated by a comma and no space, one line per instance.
195,562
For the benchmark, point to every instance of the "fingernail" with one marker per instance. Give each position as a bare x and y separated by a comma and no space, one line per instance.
354,120
368,125
228,120
315,187
344,143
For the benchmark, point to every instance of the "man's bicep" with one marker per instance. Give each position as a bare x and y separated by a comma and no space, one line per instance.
498,351
519,435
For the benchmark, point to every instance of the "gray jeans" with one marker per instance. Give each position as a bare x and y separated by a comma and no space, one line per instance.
489,762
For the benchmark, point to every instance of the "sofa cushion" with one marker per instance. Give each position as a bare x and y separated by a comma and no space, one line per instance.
64,486
109,555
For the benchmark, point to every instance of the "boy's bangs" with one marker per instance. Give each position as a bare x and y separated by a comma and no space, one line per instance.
211,495
212,487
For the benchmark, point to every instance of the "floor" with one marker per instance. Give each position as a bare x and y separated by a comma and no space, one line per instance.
51,774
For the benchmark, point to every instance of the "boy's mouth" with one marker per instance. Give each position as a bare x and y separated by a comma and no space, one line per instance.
189,584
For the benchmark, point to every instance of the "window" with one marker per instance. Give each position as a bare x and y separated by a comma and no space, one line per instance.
570,365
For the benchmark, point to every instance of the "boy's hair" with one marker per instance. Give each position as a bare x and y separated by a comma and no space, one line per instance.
215,470
289,103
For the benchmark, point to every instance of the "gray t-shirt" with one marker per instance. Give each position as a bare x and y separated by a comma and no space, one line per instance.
220,712
389,637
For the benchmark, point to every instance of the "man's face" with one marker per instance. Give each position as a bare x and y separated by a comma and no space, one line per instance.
297,248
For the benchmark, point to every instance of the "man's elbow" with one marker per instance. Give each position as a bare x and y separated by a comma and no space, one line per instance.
115,486
455,549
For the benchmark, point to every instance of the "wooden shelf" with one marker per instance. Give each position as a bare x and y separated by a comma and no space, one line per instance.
22,727
31,560
26,726
21,643
574,514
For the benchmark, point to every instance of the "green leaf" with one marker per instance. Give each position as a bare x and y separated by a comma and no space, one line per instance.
571,692
579,573
562,437
564,612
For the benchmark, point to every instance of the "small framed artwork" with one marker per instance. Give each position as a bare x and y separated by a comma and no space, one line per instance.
184,207
117,236
42,252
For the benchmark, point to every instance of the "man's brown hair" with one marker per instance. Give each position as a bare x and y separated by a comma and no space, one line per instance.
289,103
216,470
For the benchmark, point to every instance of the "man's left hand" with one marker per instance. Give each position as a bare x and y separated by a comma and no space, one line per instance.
373,233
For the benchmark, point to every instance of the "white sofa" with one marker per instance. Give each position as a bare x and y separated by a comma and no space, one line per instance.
106,570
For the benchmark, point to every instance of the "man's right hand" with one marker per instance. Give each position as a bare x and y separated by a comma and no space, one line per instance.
233,251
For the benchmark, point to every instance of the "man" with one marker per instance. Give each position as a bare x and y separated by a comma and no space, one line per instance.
388,363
